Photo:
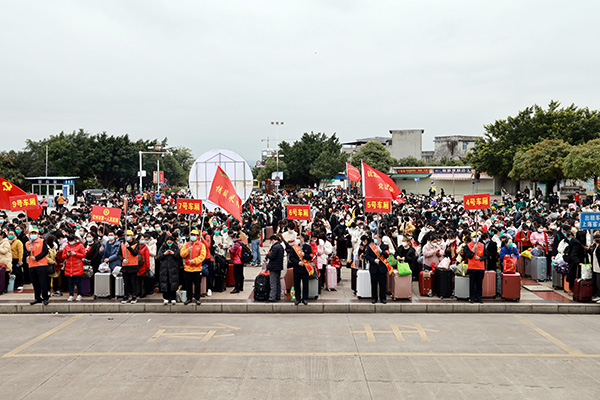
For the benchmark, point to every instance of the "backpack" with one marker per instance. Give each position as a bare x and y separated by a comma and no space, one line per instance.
262,287
246,255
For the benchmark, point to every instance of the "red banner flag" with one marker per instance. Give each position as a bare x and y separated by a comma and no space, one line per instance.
377,184
373,205
106,214
189,206
24,203
352,173
298,212
476,201
223,194
8,190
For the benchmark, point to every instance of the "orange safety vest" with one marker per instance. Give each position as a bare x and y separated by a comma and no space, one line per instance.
38,246
132,261
195,250
473,263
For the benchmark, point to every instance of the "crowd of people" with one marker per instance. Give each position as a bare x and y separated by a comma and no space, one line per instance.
157,249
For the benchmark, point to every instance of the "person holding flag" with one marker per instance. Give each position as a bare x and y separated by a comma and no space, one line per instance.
194,254
377,254
38,266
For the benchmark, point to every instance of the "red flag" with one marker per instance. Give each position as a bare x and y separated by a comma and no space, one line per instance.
8,190
352,173
223,194
378,184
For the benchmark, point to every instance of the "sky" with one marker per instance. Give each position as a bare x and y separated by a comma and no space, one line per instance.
215,74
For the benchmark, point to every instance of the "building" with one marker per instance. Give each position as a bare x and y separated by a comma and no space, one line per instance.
452,147
353,147
52,186
407,143
454,180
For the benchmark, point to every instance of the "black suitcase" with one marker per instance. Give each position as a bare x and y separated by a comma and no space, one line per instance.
443,282
353,279
261,288
3,279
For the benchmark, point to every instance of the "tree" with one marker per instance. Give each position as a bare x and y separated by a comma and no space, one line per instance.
264,173
410,162
9,168
583,161
376,155
328,164
302,154
541,163
504,138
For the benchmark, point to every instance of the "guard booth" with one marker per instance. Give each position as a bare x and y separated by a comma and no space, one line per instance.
52,186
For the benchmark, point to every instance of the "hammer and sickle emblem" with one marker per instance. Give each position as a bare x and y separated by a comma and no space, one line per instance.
7,186
106,212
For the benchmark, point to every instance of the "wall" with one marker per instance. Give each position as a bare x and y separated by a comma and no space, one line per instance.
407,143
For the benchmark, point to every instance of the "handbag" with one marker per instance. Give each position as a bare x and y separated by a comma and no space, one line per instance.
404,269
204,270
509,265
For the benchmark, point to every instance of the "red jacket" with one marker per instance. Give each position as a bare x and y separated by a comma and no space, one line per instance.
523,240
145,252
236,252
74,264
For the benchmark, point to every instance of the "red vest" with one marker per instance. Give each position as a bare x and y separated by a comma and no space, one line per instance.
38,246
473,263
132,261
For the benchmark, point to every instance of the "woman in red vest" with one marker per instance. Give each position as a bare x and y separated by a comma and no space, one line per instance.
476,255
73,254
38,266
130,266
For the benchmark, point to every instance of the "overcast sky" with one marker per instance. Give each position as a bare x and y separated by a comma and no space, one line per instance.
215,74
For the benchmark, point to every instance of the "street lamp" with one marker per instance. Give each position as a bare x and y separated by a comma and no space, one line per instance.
277,123
158,150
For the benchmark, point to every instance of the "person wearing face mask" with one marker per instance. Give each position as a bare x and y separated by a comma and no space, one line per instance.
433,252
376,254
16,247
406,253
574,255
93,251
110,255
73,255
130,265
476,255
594,253
169,259
38,267
523,237
193,253
5,254
508,249
144,286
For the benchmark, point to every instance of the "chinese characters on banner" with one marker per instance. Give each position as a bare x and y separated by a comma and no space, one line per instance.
223,194
189,206
299,212
106,214
24,203
477,201
352,173
377,184
589,220
378,205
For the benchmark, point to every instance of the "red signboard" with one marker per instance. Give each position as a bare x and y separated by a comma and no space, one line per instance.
24,203
301,212
378,205
106,214
412,170
189,206
477,201
162,177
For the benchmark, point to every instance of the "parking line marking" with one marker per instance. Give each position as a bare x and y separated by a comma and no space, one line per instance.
43,336
548,336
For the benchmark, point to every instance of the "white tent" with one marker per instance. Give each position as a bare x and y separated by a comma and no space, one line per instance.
203,172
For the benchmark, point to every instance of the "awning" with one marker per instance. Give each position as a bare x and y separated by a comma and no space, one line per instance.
409,176
457,177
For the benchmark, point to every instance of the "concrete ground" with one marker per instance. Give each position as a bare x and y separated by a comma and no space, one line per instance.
335,356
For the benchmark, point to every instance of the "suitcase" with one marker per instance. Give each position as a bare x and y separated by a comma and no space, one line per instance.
462,287
230,280
583,290
521,266
313,288
353,274
527,262
289,279
426,283
203,283
261,288
3,279
489,284
268,232
390,283
219,284
86,286
443,282
539,269
498,282
557,280
331,278
402,286
566,286
119,287
511,286
363,284
11,284
102,284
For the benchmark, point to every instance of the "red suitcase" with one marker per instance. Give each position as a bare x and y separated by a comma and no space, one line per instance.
426,283
511,286
402,286
583,290
230,280
489,284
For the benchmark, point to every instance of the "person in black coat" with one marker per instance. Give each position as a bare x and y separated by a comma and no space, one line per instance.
377,268
406,253
169,259
275,266
300,272
574,256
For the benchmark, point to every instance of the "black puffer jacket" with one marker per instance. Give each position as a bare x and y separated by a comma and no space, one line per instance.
169,267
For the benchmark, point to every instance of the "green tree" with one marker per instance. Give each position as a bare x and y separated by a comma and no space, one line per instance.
328,164
410,162
374,154
583,161
264,173
504,138
541,163
9,169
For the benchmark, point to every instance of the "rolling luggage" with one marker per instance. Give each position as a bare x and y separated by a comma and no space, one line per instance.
443,282
268,232
313,288
426,283
331,278
521,266
119,287
289,279
219,283
557,280
11,283
489,284
462,287
203,285
498,282
262,288
402,286
3,279
86,286
363,284
511,286
538,268
353,274
583,290
527,262
102,284
230,280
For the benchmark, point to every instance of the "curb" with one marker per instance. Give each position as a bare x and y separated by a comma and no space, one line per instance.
311,308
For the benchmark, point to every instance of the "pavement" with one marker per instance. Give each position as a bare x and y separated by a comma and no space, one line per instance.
332,356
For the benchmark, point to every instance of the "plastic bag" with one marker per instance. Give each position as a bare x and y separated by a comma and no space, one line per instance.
404,269
181,296
461,269
445,263
392,260
116,271
586,271
537,252
509,265
103,267
526,254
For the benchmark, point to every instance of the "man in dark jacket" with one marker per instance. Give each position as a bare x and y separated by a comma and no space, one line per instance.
169,260
254,237
375,253
275,266
574,256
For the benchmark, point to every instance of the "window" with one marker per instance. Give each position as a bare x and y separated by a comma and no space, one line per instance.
465,146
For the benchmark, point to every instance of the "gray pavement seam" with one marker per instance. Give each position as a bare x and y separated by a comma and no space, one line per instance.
362,365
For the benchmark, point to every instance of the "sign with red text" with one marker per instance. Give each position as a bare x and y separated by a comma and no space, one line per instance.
477,201
378,205
298,212
106,214
24,203
189,206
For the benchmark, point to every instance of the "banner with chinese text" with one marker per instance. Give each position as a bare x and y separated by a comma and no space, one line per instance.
477,201
378,205
298,212
24,203
189,206
106,214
